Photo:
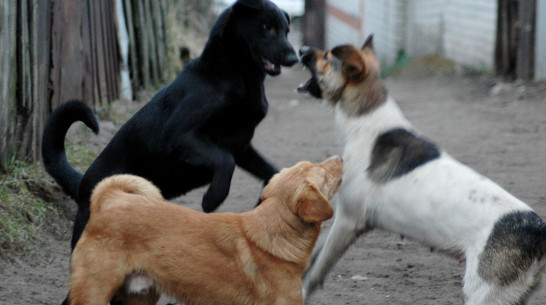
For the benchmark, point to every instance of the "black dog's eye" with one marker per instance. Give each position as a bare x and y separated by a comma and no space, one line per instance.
268,27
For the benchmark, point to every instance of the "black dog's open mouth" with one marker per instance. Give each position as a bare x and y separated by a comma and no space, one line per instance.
271,68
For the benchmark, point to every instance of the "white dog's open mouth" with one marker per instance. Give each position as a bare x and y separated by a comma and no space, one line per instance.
271,68
302,88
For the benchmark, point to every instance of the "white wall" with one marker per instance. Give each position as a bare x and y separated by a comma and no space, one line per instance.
470,31
425,27
461,30
337,31
383,18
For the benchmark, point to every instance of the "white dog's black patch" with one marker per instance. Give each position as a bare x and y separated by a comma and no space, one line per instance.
517,240
398,152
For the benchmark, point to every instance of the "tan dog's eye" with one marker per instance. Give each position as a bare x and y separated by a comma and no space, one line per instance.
325,57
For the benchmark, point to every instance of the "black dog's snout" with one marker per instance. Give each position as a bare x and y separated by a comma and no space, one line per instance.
291,59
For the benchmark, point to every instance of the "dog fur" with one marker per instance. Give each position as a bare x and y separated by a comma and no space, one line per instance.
139,244
395,179
194,131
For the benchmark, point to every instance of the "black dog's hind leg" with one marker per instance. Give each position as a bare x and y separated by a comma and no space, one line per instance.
82,217
224,165
66,300
251,161
201,153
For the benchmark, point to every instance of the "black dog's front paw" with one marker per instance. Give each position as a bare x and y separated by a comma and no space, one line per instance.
209,207
260,198
258,202
211,201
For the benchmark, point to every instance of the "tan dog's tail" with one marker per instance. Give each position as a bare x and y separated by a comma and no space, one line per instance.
117,184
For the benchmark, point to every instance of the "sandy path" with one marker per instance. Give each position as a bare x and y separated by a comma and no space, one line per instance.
503,137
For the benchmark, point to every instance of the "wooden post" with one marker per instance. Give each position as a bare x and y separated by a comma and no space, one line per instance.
525,55
313,23
515,45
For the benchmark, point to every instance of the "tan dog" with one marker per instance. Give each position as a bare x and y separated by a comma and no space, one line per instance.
136,244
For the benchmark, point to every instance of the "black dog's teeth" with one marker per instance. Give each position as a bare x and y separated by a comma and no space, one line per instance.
271,68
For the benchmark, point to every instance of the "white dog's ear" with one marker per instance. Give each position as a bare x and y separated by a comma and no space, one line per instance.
312,205
353,65
368,43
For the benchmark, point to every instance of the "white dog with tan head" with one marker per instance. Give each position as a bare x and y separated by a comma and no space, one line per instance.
396,179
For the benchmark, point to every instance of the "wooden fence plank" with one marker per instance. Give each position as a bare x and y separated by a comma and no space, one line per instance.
8,77
133,58
41,33
89,83
54,51
68,69
142,33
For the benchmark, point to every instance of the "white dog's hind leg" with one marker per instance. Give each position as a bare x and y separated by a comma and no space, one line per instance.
343,232
478,291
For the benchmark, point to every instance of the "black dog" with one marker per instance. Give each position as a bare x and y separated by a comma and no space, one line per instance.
197,129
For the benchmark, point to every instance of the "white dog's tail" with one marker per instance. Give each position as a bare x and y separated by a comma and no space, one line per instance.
128,184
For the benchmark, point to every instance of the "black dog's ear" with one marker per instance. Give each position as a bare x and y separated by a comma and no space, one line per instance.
255,4
368,43
287,16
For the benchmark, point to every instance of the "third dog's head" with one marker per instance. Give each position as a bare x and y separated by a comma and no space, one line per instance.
344,71
307,188
262,27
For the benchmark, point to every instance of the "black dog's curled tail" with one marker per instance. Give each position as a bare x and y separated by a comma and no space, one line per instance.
53,152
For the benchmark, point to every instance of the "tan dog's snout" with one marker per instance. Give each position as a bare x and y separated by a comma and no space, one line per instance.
334,165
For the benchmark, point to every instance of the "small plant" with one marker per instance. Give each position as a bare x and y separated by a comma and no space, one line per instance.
400,62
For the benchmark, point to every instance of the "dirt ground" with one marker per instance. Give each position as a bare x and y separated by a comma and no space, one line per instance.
501,134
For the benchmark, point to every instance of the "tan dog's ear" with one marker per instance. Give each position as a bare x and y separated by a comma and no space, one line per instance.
312,205
353,65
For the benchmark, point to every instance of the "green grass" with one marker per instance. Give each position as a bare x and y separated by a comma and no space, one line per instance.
21,211
79,156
